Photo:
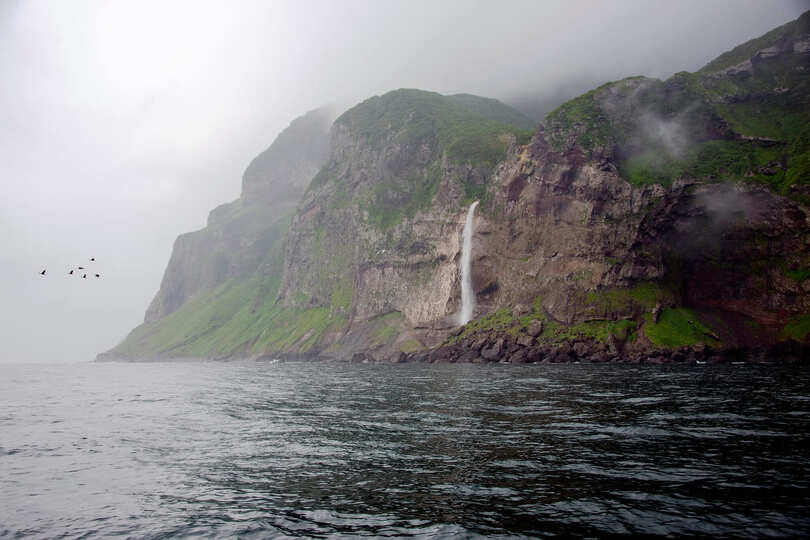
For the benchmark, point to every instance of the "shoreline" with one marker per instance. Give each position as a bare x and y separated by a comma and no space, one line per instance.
505,351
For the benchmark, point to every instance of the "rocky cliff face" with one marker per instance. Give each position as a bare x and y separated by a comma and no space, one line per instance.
578,238
378,233
685,197
643,216
235,242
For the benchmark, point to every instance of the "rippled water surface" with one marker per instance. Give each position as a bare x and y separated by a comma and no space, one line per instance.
289,449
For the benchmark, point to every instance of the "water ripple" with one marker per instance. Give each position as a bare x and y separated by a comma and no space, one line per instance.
296,449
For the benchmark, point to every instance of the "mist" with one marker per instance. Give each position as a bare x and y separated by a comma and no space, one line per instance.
125,123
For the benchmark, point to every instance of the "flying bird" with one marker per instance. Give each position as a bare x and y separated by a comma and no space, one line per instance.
92,258
84,276
81,268
71,272
98,275
42,273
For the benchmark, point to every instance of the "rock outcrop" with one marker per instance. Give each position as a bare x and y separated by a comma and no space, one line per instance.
379,229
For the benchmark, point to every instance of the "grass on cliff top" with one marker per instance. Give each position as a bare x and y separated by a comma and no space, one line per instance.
678,327
775,166
468,128
690,125
493,110
583,116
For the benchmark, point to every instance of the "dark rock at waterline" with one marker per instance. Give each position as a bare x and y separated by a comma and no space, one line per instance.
510,350
519,357
493,353
362,358
469,356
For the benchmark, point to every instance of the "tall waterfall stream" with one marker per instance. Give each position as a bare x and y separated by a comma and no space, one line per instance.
467,293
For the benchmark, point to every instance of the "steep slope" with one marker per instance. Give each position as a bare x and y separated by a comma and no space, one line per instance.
237,259
658,214
378,228
279,175
643,216
392,157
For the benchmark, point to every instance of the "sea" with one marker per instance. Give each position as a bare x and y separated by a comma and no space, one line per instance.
271,449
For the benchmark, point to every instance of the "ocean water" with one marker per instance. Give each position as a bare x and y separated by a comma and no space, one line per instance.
260,449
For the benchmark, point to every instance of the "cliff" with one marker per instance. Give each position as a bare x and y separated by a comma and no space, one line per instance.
376,236
649,215
643,216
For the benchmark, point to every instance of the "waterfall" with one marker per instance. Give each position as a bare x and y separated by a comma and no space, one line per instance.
467,293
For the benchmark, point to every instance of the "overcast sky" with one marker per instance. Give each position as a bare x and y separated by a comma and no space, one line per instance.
123,123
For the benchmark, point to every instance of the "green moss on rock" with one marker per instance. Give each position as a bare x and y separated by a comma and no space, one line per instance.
678,327
633,300
798,328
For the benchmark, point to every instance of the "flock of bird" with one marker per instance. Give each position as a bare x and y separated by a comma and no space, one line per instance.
84,274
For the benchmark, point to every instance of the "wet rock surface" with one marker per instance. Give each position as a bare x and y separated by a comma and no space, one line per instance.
509,350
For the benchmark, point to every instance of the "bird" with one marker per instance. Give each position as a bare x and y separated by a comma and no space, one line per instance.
92,258
98,275
84,276
81,268
71,272
42,273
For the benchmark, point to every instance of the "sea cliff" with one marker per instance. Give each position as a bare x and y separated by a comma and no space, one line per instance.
645,219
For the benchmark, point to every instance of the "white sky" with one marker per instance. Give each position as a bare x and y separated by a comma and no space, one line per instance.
123,123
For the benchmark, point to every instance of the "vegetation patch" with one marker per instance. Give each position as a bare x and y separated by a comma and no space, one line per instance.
394,198
341,299
797,271
468,128
582,116
502,321
637,299
696,126
410,345
385,334
555,332
231,320
678,327
798,328
716,160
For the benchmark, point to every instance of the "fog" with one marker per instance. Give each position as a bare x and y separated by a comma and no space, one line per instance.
125,123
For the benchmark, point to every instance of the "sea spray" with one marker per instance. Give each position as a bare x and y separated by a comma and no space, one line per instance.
467,293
